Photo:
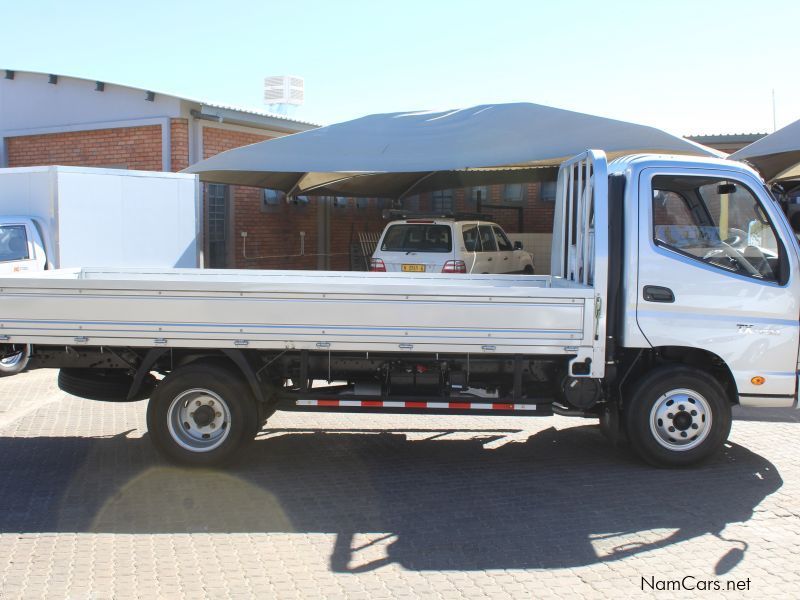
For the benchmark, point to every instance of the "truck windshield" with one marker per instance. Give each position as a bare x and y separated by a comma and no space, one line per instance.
13,243
417,237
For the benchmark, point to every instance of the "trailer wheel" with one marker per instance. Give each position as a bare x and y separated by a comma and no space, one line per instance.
15,363
677,416
202,415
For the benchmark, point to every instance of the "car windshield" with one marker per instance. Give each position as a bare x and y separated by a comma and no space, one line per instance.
417,237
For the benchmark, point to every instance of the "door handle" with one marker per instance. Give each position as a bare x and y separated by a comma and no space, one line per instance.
490,260
656,293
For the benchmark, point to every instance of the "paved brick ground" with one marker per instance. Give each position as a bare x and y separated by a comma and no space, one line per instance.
384,507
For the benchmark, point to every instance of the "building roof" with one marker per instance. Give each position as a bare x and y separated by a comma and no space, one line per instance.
216,110
726,138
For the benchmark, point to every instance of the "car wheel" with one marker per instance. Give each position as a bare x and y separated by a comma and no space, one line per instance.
528,270
677,416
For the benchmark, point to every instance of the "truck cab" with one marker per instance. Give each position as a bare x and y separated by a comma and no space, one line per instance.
713,268
21,245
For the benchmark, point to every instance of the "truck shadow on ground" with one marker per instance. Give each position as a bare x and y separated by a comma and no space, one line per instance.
767,415
435,499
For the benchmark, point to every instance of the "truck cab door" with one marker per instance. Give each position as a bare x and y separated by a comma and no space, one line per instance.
717,272
21,247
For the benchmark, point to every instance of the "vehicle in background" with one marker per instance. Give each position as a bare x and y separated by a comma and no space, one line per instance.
57,217
449,245
54,217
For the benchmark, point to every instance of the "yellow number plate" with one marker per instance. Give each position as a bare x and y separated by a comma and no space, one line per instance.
414,268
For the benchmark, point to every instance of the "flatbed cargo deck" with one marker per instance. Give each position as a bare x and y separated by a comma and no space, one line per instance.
290,310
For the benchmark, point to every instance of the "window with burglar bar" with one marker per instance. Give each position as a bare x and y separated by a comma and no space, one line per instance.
217,211
442,201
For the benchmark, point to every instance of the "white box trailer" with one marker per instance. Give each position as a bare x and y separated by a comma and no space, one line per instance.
55,217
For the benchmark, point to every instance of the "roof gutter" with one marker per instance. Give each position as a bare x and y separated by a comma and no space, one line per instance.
236,117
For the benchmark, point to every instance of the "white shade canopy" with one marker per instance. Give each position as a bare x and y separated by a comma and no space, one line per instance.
395,154
777,155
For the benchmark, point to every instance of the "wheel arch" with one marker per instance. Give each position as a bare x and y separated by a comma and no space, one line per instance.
233,358
707,361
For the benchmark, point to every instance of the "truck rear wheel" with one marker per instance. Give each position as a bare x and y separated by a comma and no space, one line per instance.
202,415
677,416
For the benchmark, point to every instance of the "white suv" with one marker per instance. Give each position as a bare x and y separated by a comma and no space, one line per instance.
448,245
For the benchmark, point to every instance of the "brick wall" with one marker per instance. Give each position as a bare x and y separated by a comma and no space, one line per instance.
179,140
273,232
273,236
347,222
125,147
537,214
247,215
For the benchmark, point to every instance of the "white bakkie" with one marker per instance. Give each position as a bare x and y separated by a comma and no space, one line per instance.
674,294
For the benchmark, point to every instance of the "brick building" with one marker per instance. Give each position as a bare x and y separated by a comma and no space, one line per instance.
52,119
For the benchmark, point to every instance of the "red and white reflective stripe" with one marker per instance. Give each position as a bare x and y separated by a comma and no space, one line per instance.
427,405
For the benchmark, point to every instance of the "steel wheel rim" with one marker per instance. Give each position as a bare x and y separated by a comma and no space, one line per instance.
12,360
199,420
680,420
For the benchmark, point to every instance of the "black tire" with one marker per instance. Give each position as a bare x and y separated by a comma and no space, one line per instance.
228,401
677,416
528,270
106,385
15,363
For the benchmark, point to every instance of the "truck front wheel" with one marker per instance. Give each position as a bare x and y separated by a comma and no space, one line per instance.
677,416
202,415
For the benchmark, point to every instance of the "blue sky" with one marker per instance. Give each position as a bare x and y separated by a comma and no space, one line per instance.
688,67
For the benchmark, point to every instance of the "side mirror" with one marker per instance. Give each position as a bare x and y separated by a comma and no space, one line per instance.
517,245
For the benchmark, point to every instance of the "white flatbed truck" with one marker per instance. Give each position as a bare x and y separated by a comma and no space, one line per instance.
674,294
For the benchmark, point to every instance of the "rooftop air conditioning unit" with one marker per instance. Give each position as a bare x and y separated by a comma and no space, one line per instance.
283,90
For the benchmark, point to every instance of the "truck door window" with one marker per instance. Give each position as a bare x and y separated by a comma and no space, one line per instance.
13,243
487,239
502,241
715,221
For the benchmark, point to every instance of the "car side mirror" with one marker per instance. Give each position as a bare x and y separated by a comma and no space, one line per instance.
517,245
